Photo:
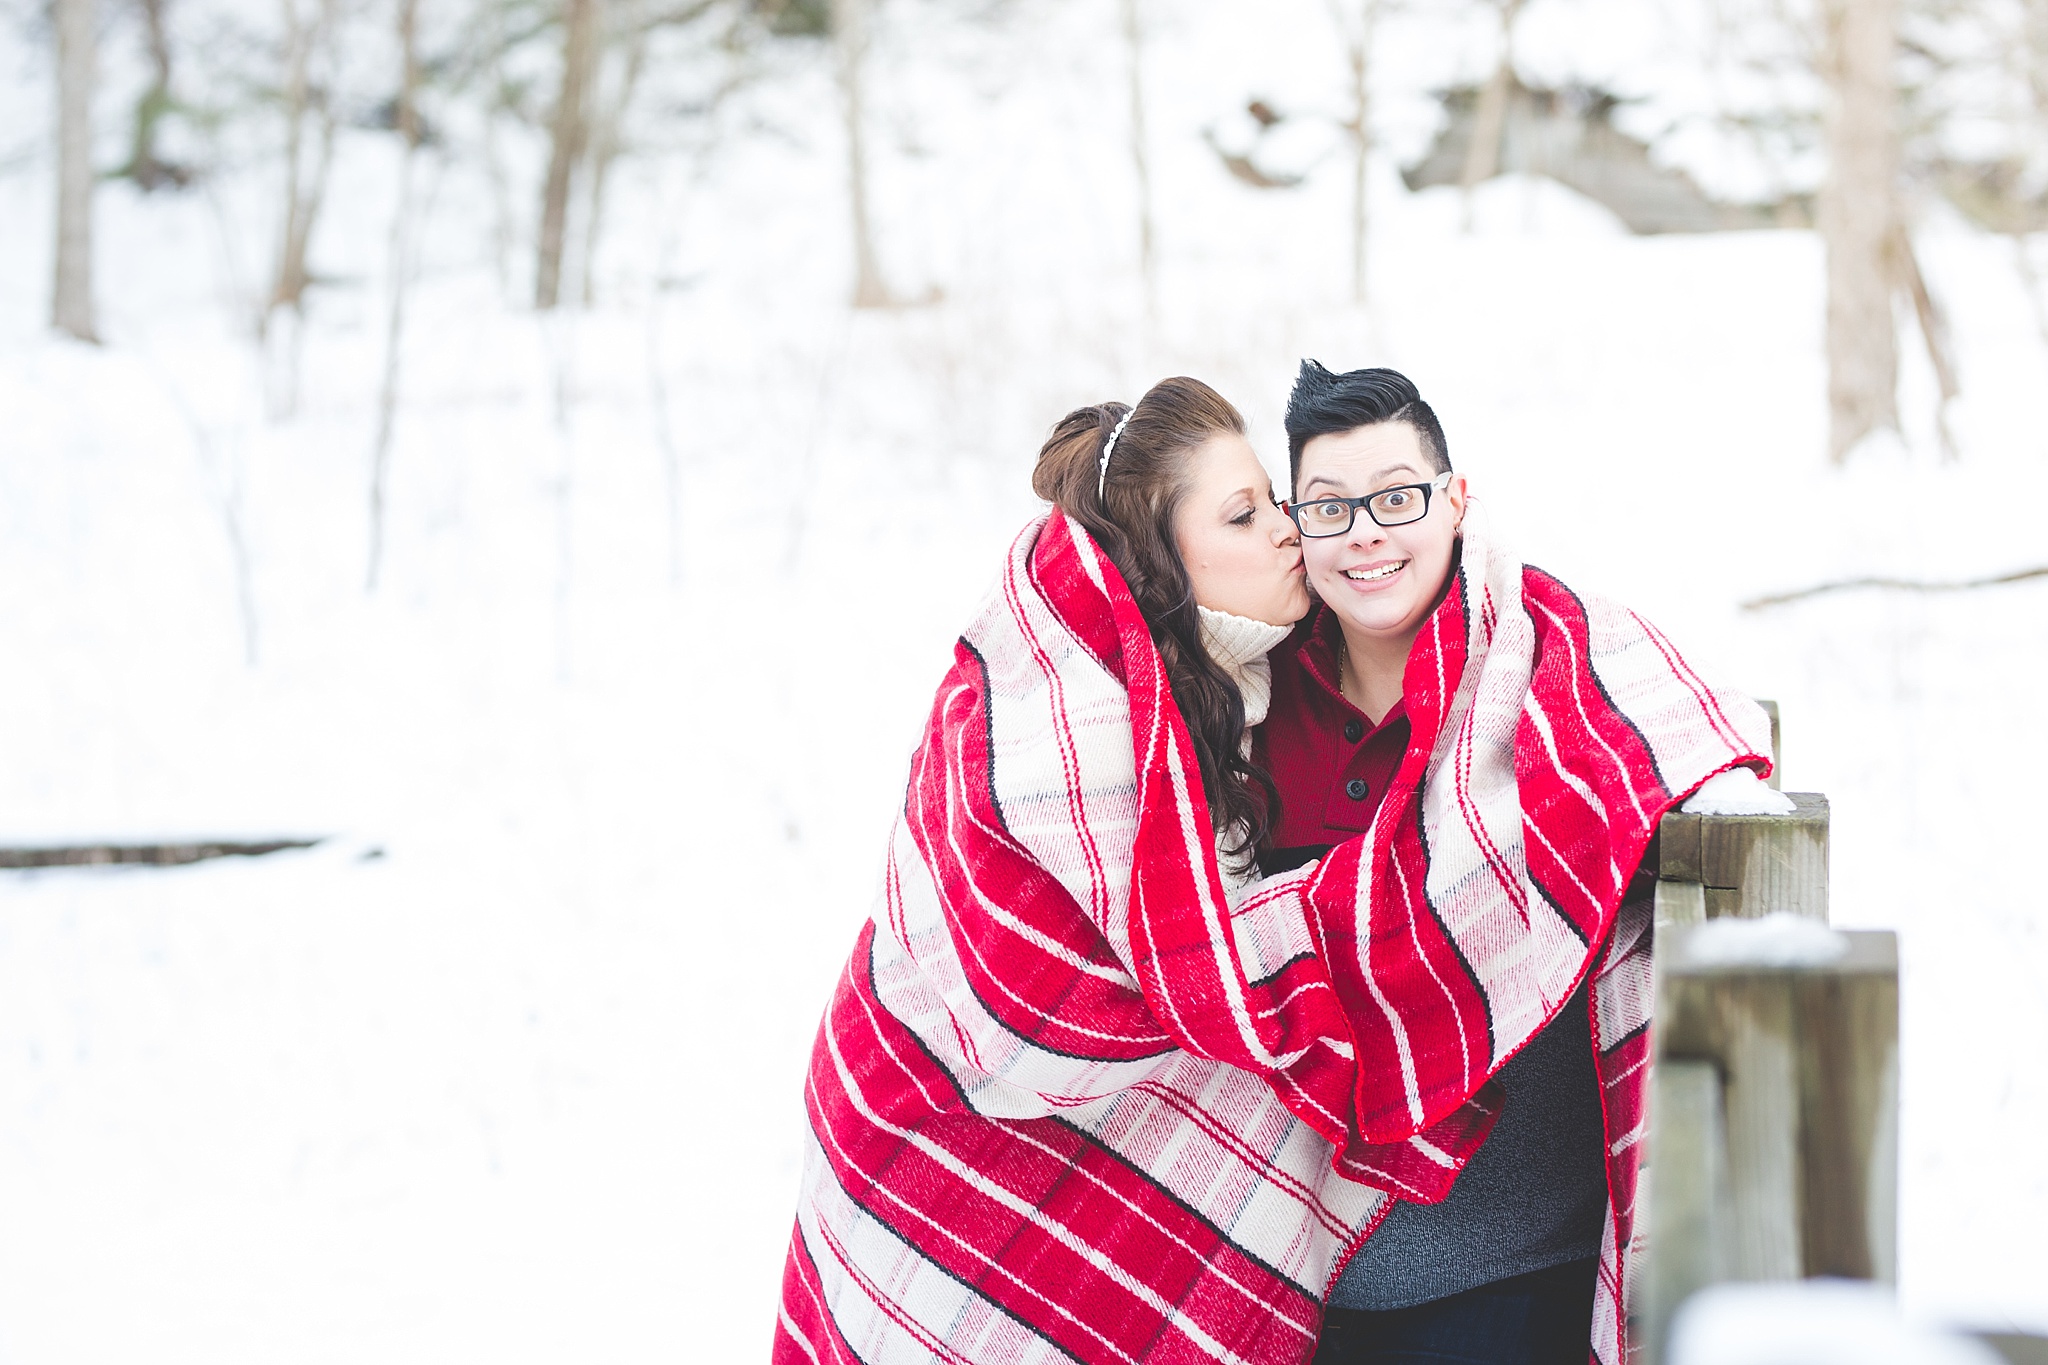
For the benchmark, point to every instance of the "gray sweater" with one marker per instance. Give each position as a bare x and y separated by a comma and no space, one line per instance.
1532,1197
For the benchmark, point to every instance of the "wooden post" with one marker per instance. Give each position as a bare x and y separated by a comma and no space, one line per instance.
1751,865
1680,902
1774,1112
1686,1193
1847,1024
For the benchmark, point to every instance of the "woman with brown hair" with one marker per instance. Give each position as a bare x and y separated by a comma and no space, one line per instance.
1172,492
1082,1093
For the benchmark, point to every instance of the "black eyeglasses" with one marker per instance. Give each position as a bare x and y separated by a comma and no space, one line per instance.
1389,507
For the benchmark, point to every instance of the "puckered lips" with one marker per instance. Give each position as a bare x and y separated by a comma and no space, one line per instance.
1374,576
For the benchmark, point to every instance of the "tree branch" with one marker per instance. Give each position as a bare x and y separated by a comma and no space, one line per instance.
1780,599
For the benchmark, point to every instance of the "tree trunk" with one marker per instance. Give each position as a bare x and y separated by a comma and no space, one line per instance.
305,168
569,135
309,117
606,142
850,37
144,167
1858,215
1489,120
407,122
406,114
1141,162
1933,330
71,308
2034,56
1358,54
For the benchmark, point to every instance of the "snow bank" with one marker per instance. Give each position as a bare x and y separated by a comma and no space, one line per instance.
1815,1322
521,1089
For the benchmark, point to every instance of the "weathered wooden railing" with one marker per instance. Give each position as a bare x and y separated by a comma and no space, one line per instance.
1774,1098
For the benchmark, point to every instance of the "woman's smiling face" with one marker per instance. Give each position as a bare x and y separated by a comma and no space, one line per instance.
1242,553
1382,581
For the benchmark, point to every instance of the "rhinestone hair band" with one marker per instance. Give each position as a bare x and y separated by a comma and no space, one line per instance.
1102,466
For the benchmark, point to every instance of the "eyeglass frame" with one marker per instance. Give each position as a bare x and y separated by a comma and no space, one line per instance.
1435,485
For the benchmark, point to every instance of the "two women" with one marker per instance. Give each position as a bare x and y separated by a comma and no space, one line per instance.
1087,1090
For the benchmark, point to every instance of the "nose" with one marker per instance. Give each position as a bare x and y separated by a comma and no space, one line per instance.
1364,530
1283,529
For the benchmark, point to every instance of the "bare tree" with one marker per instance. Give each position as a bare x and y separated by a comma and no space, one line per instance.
309,156
2034,24
406,121
71,305
1858,217
1482,158
1357,28
1141,163
1933,323
308,148
145,167
568,138
224,472
668,217
1903,88
610,101
2032,53
497,173
607,140
850,38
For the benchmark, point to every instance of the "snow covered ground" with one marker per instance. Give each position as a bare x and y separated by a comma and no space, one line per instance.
510,1067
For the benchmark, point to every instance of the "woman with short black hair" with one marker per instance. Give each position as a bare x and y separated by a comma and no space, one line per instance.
1508,1270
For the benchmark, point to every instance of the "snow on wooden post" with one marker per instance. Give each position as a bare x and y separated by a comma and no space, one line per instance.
1774,1109
1745,866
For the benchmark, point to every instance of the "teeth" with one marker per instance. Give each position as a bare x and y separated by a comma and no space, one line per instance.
1368,575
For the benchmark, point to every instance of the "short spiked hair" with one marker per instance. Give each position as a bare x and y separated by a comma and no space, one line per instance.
1325,404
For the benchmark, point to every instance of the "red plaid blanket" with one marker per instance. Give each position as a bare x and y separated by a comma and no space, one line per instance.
1068,1103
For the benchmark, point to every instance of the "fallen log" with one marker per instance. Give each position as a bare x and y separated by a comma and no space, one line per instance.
144,855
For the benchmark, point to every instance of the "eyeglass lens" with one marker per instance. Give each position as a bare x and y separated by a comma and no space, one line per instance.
1334,516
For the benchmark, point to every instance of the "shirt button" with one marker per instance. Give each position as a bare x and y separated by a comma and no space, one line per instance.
1354,730
1355,789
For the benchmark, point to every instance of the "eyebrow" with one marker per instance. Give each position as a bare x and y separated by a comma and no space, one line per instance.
1374,477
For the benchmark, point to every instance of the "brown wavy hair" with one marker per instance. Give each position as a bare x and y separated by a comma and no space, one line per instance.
1131,519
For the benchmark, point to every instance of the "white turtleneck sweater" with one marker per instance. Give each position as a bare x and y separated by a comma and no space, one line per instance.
1239,645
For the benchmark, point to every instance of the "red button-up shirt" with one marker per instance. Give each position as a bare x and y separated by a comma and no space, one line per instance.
1329,761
